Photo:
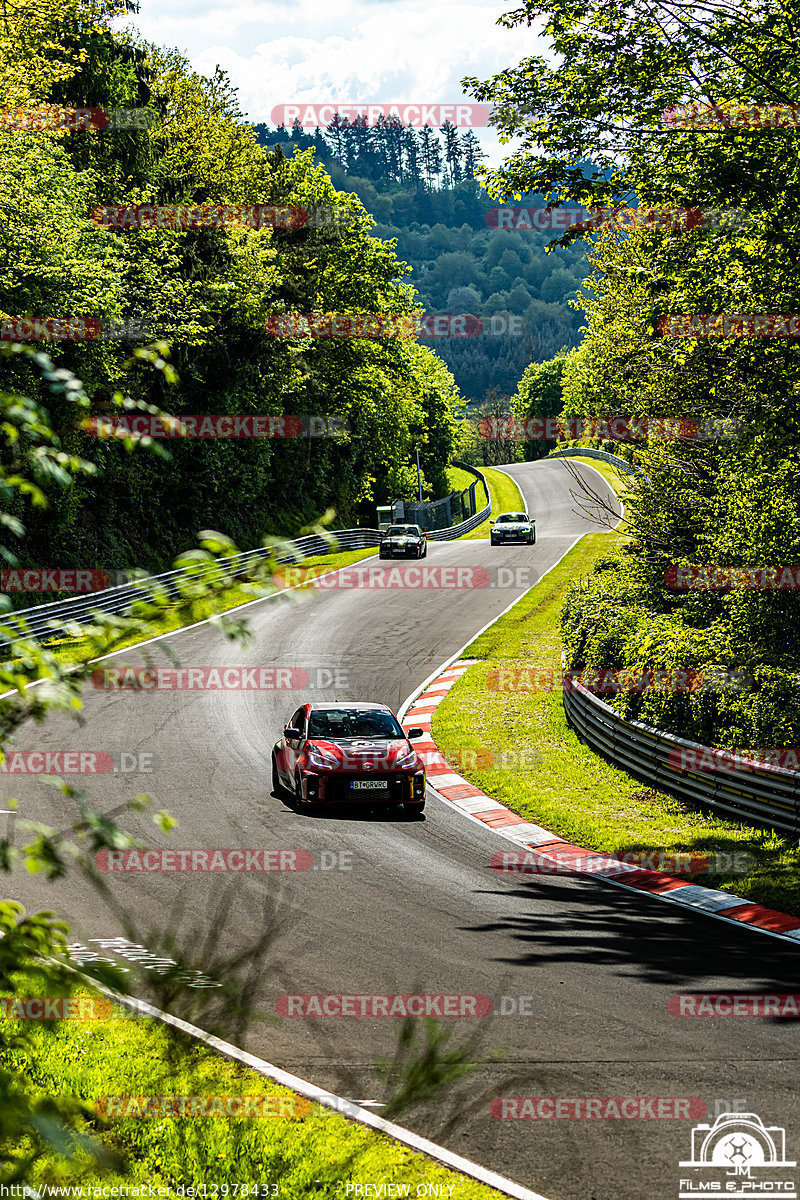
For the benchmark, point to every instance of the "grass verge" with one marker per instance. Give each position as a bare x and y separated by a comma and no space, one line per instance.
459,480
563,785
299,1156
504,495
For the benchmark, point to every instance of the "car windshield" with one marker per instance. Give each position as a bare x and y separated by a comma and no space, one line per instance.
353,723
512,518
397,529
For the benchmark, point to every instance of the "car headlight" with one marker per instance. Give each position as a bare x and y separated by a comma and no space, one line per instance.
320,759
408,760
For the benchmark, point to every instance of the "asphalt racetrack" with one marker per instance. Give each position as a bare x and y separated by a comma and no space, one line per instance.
419,910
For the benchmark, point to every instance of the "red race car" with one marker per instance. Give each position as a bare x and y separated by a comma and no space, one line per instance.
348,753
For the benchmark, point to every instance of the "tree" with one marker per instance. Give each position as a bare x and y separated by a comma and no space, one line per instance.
452,151
707,498
539,397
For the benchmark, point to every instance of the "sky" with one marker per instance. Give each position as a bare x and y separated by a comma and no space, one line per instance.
374,51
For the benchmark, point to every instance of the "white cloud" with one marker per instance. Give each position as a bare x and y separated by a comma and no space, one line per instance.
408,51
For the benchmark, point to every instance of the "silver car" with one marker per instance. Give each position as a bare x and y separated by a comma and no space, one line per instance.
513,527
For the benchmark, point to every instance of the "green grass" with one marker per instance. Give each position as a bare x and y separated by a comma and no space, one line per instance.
69,650
565,786
459,480
505,497
307,1156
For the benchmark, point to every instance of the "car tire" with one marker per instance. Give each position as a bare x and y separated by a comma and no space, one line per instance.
277,787
533,539
494,543
414,809
425,550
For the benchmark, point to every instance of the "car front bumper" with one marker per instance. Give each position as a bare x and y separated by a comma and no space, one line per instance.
333,787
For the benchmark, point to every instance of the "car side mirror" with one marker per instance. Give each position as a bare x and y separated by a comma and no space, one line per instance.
415,733
292,734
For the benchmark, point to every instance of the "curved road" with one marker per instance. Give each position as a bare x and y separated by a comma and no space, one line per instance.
420,910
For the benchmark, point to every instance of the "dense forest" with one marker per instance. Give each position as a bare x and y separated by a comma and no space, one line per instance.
207,292
712,501
420,186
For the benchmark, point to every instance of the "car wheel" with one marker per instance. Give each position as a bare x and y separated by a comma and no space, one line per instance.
425,550
533,539
494,543
277,787
414,809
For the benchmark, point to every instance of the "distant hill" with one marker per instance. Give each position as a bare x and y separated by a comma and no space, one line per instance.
421,191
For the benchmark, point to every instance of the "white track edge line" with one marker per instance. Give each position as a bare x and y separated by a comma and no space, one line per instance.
453,657
516,485
342,1107
628,887
603,879
449,662
205,621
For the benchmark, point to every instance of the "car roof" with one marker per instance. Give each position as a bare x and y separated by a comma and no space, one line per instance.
343,707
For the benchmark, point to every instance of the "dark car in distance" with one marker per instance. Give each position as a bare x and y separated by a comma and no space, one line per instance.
513,527
403,541
348,754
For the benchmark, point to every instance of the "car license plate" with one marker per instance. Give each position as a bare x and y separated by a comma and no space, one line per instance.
369,784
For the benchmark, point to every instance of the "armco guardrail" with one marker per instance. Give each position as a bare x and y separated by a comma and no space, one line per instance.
47,620
767,795
449,535
602,455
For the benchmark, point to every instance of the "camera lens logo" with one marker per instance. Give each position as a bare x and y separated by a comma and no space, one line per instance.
738,1156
